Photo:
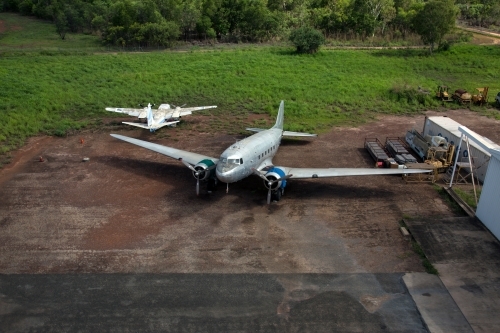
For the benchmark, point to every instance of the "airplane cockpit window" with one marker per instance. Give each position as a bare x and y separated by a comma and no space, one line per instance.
227,164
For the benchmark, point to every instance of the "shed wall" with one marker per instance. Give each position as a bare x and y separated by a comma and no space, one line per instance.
488,209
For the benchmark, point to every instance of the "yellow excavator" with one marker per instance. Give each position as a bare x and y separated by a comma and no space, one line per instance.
481,97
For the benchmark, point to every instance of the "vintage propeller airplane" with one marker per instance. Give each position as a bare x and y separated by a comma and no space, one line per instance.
158,118
253,156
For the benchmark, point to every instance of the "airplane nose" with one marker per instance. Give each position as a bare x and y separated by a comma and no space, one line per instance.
224,177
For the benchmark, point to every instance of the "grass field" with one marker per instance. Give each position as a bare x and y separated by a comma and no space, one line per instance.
52,86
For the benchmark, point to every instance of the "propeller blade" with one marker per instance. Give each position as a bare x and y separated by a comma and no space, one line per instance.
259,174
197,186
269,196
189,166
283,178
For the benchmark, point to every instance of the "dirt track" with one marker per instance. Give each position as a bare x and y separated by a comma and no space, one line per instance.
132,210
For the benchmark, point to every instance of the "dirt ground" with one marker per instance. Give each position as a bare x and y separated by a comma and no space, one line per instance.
130,210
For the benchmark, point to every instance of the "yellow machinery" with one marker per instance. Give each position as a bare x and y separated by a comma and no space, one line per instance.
442,94
481,97
462,96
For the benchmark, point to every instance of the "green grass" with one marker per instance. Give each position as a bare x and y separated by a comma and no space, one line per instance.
429,268
56,86
29,34
468,196
455,207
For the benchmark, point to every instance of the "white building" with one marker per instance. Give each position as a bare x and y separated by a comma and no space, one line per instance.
488,208
449,129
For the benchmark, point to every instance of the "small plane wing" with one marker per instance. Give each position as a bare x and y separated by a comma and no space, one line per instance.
191,158
299,173
141,113
187,111
285,133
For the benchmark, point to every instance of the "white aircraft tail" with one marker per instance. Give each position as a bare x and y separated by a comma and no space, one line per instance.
149,115
281,116
279,124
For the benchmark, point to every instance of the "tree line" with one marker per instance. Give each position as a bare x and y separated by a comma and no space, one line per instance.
150,23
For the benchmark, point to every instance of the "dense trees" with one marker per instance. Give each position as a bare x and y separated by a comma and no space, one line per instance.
160,22
435,20
480,12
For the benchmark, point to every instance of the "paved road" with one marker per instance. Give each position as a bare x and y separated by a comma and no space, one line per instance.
207,303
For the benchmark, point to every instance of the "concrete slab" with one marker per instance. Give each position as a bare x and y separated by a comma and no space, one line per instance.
454,239
476,289
467,258
438,309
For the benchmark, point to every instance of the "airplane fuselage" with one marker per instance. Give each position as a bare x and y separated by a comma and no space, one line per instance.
254,152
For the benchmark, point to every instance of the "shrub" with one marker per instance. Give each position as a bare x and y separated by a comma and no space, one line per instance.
307,39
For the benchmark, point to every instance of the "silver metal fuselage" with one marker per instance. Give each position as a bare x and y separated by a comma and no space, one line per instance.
254,152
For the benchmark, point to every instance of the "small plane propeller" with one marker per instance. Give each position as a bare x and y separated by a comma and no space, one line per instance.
270,183
196,175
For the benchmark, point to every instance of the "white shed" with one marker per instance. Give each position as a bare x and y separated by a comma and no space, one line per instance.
488,208
449,129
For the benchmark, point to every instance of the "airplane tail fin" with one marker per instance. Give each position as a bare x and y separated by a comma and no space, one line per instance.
281,116
150,116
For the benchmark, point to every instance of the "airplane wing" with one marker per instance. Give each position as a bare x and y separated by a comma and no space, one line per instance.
191,158
141,113
299,173
188,111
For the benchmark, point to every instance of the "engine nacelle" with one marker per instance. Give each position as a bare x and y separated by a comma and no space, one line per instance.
273,174
204,169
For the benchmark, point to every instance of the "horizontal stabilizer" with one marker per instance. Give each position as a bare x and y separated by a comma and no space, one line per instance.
285,133
253,129
289,133
154,127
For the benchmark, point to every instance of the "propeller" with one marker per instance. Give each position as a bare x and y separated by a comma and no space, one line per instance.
196,175
269,182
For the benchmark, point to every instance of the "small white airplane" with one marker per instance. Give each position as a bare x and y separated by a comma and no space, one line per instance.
158,118
253,156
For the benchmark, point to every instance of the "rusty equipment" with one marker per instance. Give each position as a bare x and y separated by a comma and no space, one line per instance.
462,96
442,94
481,97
